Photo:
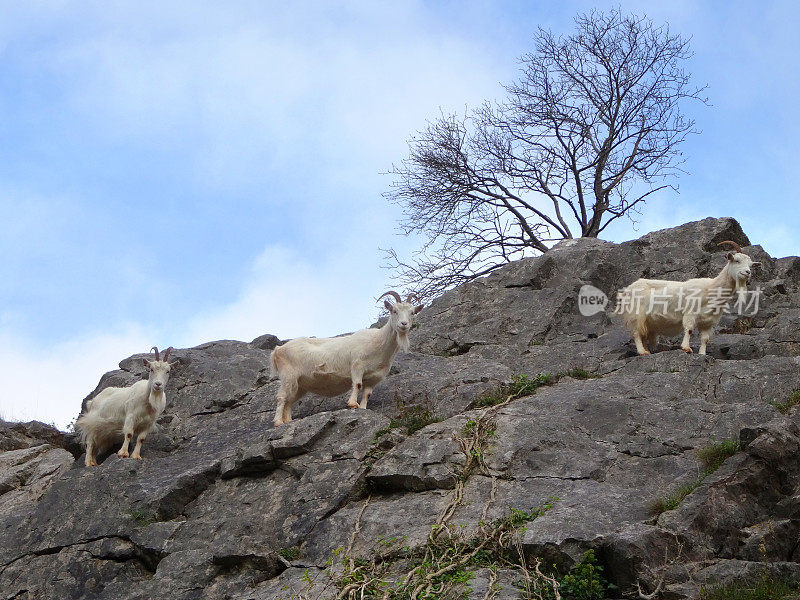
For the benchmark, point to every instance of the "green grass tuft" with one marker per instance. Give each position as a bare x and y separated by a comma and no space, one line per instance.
143,516
290,554
380,433
671,501
715,454
580,374
521,385
783,407
712,457
492,398
413,418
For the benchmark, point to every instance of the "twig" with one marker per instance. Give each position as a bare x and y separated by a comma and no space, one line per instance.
357,527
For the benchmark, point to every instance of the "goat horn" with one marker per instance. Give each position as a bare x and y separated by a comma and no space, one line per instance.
393,294
154,349
166,354
736,246
412,295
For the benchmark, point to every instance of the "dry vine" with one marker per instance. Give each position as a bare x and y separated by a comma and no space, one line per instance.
436,566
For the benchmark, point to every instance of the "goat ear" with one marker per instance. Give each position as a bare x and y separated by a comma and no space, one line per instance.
730,255
418,308
173,363
146,363
756,264
388,305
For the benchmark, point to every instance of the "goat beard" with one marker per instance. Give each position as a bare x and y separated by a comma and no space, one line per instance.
402,341
740,289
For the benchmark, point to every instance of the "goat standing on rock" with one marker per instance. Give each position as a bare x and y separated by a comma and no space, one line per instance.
682,305
331,366
125,411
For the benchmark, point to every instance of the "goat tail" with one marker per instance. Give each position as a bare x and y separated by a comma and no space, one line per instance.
274,370
102,429
633,316
636,322
82,427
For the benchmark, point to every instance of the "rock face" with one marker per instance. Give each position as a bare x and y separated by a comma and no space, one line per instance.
226,506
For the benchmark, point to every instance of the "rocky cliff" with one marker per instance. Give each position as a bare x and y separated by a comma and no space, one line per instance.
516,427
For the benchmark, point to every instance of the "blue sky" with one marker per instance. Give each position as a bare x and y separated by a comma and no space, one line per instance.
173,173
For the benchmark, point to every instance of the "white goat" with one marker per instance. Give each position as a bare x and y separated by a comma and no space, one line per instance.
331,366
125,412
653,307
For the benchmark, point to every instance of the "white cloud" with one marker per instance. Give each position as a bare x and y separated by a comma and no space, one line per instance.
48,383
243,94
289,296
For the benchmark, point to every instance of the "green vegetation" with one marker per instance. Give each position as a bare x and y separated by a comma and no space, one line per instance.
143,516
472,425
517,518
783,407
392,541
408,418
671,501
579,374
415,417
523,385
380,433
492,398
715,454
761,588
585,580
443,567
290,554
474,440
712,458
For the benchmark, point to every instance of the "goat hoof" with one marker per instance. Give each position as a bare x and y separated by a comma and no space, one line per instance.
277,423
645,353
137,457
352,405
91,463
687,350
122,454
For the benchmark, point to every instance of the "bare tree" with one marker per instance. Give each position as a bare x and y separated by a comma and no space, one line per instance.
591,129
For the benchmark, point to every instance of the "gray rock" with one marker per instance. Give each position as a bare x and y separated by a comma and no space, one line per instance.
226,506
14,436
